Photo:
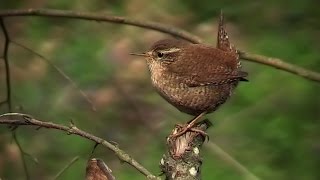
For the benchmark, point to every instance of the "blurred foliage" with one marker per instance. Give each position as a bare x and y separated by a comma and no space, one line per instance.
271,125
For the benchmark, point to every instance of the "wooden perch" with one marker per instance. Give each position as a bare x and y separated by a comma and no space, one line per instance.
182,160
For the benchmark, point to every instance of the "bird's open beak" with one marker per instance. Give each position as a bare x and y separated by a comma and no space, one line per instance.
140,54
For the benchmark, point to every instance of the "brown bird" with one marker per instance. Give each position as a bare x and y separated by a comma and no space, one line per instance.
195,78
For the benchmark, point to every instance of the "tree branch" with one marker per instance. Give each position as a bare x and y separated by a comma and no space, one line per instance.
18,119
100,17
279,64
273,62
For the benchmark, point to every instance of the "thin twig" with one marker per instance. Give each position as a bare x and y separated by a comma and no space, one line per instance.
6,65
8,100
22,153
228,158
61,72
277,63
18,119
225,156
75,159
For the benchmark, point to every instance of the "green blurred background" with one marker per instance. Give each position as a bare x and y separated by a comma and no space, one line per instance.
271,125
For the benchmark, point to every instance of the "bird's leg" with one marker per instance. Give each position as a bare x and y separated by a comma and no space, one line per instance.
190,127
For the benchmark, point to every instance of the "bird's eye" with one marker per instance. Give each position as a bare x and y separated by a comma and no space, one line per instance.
160,54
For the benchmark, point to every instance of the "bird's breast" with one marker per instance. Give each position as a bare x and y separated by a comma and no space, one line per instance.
191,100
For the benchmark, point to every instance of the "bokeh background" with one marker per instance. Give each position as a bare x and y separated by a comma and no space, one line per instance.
271,125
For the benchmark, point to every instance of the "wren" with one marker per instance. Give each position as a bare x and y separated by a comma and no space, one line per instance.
195,78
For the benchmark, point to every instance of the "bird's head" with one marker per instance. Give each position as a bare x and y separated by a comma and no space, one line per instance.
163,52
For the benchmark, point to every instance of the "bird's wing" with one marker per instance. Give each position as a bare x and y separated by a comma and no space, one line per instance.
201,65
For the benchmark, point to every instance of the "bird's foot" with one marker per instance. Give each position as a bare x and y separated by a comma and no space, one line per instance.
184,128
190,126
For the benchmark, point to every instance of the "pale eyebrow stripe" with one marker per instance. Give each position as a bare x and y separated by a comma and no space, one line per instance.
172,50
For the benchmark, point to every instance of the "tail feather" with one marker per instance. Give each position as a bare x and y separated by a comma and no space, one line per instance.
223,42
